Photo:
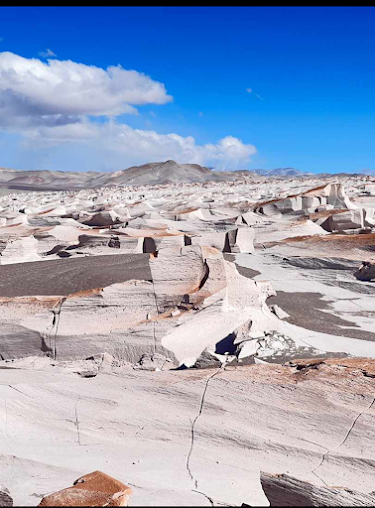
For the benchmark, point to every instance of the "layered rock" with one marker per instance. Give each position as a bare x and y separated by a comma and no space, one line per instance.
5,497
285,490
313,420
190,290
326,197
107,295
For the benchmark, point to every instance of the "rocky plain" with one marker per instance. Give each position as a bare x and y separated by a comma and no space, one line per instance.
208,339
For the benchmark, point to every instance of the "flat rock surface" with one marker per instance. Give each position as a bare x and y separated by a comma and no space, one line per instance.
67,276
318,319
192,427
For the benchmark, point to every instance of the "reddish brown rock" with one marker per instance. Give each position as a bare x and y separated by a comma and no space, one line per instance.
93,489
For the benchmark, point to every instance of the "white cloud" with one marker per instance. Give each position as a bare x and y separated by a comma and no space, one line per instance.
249,90
41,92
139,146
53,104
48,52
75,132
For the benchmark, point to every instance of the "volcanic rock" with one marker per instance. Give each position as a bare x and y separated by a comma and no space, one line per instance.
285,490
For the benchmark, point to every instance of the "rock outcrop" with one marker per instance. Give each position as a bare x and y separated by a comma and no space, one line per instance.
325,197
285,490
5,497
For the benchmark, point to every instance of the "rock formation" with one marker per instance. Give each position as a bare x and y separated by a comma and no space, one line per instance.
201,331
312,419
5,497
94,489
284,490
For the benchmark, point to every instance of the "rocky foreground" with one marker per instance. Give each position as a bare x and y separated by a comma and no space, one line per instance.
190,437
189,340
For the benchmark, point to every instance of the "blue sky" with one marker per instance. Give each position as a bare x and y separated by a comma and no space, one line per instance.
310,70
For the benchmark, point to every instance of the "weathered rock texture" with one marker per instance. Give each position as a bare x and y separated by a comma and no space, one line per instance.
144,329
94,489
5,497
284,490
313,421
366,271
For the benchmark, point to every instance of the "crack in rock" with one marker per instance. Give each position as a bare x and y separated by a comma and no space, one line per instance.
53,330
19,391
76,423
194,423
205,495
324,456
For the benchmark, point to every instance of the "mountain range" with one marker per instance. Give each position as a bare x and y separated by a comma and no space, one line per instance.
154,173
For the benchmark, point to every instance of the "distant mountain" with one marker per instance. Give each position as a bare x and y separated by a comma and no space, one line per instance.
46,180
282,172
159,173
155,173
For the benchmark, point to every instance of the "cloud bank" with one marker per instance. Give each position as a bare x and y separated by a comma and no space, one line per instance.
55,102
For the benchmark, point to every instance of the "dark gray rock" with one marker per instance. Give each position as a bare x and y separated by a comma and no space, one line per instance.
5,497
284,490
366,272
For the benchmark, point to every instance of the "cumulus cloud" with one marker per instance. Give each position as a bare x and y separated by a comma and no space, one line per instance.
39,91
48,52
140,146
78,132
56,104
228,151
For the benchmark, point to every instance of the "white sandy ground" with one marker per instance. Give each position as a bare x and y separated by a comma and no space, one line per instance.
137,427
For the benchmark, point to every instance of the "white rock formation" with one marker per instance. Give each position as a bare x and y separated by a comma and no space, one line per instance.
107,294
